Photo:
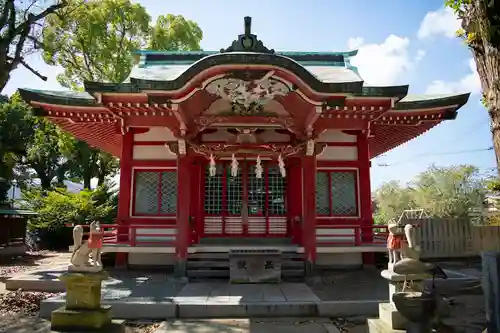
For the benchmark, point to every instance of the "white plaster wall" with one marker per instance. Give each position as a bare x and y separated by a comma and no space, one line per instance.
157,235
335,153
335,235
157,152
155,134
332,135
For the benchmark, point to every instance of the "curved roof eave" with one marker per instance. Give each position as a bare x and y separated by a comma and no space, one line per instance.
73,98
414,102
249,58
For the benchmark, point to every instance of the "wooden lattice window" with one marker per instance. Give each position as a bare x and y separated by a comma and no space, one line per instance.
337,193
155,192
266,195
223,193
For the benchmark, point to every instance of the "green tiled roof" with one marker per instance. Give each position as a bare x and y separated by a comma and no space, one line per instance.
21,212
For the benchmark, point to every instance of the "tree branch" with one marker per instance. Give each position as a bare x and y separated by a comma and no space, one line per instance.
5,14
32,70
34,18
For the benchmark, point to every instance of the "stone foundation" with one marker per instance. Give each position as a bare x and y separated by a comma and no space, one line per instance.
390,320
82,310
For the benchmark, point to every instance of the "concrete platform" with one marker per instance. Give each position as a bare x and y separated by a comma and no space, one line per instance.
143,295
218,300
45,280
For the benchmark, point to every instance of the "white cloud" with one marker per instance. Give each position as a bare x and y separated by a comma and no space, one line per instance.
468,83
355,42
383,64
440,22
420,55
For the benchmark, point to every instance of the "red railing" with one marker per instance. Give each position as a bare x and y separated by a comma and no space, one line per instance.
115,234
360,236
119,234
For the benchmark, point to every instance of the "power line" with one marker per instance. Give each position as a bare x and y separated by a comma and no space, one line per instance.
436,154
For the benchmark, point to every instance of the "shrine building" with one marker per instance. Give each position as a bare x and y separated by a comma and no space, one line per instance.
244,148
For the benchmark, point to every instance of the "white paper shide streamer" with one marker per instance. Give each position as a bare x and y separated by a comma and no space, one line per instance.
258,168
212,169
281,165
234,167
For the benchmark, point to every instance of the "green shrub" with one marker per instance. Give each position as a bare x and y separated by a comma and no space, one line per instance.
58,208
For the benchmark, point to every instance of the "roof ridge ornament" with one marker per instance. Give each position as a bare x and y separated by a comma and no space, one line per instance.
247,42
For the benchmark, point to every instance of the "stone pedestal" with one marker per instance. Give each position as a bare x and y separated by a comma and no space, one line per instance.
255,266
83,310
390,320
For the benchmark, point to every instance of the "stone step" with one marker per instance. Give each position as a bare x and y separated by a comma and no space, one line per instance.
207,263
201,308
209,255
245,241
379,326
208,273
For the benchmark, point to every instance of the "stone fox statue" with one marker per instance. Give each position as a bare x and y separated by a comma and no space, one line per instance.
91,247
402,245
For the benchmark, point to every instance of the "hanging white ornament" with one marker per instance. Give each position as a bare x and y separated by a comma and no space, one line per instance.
258,168
234,167
281,165
212,169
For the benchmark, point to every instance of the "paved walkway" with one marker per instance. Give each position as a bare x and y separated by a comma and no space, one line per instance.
281,325
254,325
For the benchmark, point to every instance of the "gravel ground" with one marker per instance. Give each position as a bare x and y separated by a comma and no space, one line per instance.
10,266
19,309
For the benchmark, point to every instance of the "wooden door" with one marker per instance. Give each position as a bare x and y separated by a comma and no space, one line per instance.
244,206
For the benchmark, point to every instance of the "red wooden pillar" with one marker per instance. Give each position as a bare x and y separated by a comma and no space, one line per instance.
294,199
183,212
124,197
365,194
196,200
309,210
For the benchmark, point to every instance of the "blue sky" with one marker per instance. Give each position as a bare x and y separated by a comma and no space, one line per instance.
400,42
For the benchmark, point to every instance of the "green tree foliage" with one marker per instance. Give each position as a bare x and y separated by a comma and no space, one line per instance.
15,131
175,33
31,146
440,191
391,200
449,191
96,41
58,207
20,23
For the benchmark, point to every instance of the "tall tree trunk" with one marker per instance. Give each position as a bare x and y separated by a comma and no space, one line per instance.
484,41
45,182
4,78
101,178
87,175
488,67
5,181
